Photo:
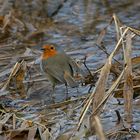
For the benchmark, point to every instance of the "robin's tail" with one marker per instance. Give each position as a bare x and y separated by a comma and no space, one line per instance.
70,81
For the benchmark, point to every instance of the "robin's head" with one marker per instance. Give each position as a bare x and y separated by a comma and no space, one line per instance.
48,51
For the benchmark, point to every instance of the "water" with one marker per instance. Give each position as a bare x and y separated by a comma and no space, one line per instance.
75,28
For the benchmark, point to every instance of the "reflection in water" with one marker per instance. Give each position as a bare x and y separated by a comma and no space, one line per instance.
91,17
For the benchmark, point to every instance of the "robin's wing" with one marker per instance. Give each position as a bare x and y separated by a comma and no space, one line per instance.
52,68
61,75
69,79
73,66
56,72
76,68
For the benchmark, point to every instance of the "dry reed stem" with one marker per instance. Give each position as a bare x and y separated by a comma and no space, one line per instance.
15,118
101,85
15,69
117,25
137,32
108,94
99,128
100,89
100,95
128,84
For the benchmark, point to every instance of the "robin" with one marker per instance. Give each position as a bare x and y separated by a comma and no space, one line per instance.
58,66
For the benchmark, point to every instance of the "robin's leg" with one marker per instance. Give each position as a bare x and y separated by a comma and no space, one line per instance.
53,93
67,92
77,92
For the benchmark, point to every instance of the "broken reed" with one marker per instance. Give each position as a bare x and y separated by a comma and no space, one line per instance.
99,96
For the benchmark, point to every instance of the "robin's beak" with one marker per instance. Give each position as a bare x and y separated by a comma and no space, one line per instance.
42,49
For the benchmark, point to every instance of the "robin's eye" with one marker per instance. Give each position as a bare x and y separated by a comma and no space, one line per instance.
52,48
